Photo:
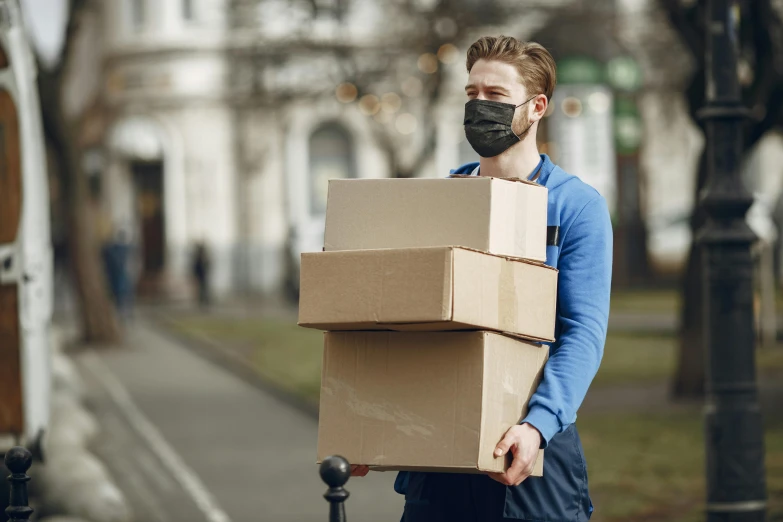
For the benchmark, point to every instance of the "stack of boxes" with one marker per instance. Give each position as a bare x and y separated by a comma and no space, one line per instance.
434,296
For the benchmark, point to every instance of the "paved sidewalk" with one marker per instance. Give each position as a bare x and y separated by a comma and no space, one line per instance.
189,441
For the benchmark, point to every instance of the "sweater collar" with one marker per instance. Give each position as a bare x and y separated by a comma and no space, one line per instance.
544,169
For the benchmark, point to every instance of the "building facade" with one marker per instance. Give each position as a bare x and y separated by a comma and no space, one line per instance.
225,123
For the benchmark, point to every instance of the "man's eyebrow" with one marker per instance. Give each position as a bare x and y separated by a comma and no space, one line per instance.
489,88
497,88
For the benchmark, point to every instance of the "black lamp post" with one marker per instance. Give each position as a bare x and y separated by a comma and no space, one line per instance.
736,489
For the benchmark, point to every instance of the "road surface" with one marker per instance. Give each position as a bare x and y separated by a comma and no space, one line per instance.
188,441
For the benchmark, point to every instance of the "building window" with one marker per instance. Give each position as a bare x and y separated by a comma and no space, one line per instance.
138,13
187,10
331,157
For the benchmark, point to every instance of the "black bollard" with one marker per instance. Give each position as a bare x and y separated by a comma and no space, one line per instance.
335,471
18,460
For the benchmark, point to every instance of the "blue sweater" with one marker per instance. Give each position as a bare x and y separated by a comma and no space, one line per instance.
584,259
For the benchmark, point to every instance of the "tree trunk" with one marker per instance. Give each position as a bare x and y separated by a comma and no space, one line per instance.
98,316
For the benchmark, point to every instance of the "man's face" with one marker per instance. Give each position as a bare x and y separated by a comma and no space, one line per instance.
498,81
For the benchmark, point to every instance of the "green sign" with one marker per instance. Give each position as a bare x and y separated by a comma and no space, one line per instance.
579,69
628,130
621,73
624,74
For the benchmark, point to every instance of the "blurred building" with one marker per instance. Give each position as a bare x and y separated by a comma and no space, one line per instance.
193,152
224,121
167,155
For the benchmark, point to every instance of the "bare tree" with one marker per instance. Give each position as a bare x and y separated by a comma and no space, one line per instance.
405,60
761,75
62,130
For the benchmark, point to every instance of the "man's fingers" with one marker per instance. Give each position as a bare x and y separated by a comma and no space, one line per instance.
525,474
523,471
500,477
512,477
520,469
517,468
503,446
359,470
497,477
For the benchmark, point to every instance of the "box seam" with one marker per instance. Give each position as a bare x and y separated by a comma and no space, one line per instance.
453,256
483,399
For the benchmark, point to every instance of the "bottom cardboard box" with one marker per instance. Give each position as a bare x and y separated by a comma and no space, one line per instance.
428,401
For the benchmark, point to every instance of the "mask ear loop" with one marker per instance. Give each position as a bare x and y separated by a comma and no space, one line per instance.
525,131
529,126
524,102
537,174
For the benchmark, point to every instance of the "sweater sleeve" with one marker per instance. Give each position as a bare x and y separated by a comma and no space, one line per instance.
584,286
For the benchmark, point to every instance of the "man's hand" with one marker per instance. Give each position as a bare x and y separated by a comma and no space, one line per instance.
523,441
359,471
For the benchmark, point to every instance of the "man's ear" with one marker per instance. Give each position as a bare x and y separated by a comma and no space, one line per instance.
540,105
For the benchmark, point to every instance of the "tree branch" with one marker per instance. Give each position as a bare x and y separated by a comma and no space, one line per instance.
688,24
765,95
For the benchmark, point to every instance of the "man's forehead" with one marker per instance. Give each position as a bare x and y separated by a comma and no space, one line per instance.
493,73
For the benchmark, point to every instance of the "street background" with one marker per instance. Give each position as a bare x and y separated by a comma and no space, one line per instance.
189,144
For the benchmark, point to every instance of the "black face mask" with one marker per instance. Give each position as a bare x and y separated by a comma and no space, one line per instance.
488,126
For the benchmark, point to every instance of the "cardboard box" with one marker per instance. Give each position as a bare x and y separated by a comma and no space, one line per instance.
492,215
432,401
437,288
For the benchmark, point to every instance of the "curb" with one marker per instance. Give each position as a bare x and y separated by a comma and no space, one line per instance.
73,485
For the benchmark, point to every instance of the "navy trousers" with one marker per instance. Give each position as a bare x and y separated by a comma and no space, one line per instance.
559,496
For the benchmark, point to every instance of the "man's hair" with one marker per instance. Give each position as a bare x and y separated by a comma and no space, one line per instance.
535,65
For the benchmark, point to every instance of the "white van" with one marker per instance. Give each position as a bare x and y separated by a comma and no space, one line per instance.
25,245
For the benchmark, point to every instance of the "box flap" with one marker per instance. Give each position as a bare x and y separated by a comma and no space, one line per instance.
445,326
505,295
517,180
519,219
533,205
506,394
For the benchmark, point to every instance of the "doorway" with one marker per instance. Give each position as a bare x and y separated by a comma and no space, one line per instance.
148,184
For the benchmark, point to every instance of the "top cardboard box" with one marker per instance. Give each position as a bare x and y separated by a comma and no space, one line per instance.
498,216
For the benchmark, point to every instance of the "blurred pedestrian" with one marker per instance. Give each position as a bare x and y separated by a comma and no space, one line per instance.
200,269
116,256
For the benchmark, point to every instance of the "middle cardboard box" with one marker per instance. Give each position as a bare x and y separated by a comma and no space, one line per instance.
427,289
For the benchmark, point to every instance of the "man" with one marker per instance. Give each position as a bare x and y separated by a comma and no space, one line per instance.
509,88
